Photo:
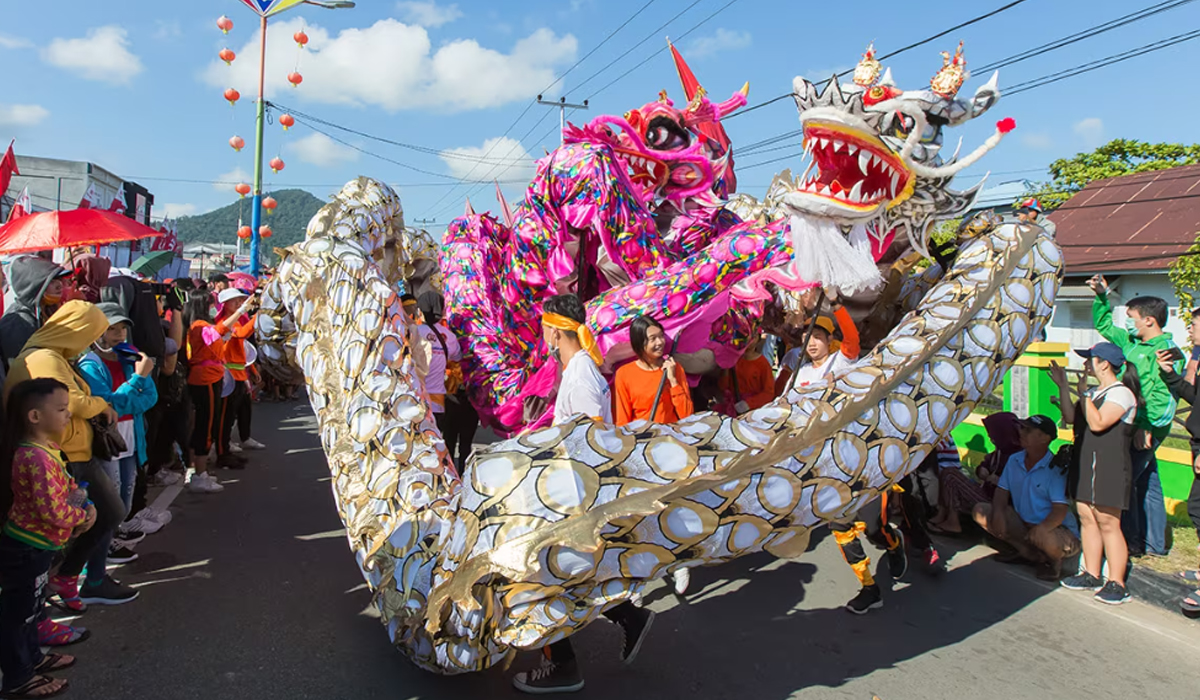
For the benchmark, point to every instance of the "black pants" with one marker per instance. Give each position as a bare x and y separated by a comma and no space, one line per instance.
231,407
562,651
175,428
206,431
1193,506
23,575
458,425
110,512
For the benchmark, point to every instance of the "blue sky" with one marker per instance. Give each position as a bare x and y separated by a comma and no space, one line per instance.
135,86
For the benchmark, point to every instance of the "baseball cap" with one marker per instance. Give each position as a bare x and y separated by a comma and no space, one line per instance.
1108,352
114,312
826,323
1032,204
1042,423
230,294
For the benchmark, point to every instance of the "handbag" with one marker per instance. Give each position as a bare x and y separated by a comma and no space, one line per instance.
107,443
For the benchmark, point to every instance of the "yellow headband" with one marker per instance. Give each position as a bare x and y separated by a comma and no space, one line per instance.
586,339
409,304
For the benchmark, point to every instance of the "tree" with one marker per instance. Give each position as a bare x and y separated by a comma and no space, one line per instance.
1185,277
1117,157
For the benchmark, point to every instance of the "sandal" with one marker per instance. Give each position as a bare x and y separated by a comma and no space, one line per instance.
1192,602
56,634
37,687
54,662
1192,575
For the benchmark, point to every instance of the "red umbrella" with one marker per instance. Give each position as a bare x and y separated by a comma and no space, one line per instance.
66,229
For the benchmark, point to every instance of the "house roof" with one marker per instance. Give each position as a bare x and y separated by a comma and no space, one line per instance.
1002,195
1131,223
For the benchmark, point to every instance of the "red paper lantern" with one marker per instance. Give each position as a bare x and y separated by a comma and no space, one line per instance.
227,56
265,232
295,79
245,232
242,188
237,143
288,121
269,204
301,38
276,164
233,96
224,24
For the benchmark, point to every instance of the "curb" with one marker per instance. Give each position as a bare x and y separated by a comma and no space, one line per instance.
1157,589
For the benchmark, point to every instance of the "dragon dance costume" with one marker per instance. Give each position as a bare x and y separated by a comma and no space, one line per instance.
541,533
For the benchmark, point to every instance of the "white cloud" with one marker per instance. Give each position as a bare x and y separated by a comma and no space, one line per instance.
103,56
428,13
227,181
506,159
1037,140
722,40
1091,130
393,65
22,115
172,211
12,42
320,150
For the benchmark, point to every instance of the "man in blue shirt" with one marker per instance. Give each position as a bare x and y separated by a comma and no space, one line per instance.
1030,510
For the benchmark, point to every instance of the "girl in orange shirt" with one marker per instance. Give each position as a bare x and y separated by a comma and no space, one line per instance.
755,381
637,382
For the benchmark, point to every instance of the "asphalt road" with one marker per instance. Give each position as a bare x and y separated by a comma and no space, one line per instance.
252,593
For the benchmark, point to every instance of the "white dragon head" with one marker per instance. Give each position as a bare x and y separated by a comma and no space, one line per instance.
876,168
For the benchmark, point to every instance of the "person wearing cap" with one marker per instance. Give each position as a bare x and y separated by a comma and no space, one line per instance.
1031,510
1145,520
825,355
237,406
1102,479
116,372
582,391
1029,211
751,383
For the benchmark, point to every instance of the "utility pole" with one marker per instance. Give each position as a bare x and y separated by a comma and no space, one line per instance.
562,105
424,222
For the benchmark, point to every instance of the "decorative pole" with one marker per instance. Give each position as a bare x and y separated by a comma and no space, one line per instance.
256,204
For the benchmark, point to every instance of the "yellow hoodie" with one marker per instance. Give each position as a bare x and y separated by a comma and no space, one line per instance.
69,332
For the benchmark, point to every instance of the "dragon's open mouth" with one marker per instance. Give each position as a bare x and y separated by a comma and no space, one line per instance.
649,172
852,169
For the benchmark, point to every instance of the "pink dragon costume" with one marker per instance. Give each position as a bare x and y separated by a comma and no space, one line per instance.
630,214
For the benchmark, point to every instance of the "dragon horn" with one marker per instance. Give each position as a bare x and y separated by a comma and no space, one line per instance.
470,210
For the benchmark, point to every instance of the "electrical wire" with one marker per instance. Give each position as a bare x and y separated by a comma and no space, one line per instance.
1100,63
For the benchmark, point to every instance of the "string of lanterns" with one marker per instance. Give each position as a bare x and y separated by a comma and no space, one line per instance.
237,143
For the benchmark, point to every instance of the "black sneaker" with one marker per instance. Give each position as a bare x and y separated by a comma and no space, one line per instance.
867,599
127,538
118,554
634,629
1113,593
550,678
109,592
1082,582
897,557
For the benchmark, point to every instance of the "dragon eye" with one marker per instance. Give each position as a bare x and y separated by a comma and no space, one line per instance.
664,135
902,125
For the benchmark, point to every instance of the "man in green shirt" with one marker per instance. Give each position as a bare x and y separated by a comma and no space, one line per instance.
1145,521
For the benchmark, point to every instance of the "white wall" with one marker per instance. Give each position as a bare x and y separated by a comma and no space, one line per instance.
1072,321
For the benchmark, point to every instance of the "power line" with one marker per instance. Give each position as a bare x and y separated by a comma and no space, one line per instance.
597,46
1101,63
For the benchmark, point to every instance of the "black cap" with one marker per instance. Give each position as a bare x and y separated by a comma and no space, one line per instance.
1042,423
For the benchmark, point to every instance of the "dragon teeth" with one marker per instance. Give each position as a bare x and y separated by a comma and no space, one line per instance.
864,159
851,149
822,143
836,145
895,182
856,193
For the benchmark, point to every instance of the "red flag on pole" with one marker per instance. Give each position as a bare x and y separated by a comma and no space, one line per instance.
118,202
91,198
22,207
8,168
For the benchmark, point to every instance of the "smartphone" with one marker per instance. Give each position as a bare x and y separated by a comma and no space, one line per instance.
1174,354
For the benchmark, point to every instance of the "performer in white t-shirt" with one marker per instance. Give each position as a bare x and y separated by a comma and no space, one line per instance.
825,356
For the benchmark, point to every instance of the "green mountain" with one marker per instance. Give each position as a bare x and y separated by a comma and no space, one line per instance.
291,217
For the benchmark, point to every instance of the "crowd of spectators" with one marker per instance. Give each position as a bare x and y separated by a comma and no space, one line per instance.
113,385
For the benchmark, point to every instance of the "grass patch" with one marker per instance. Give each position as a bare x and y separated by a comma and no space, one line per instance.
1183,552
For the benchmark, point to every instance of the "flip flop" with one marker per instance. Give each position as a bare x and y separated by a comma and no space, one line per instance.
944,533
1192,575
55,662
1192,602
29,690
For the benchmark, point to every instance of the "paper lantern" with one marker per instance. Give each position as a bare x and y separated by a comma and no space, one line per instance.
269,204
233,96
301,38
245,232
237,143
242,188
276,164
227,56
295,79
265,232
224,24
288,121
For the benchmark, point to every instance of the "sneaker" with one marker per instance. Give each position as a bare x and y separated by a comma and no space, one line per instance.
67,590
141,522
934,564
204,483
1082,582
252,444
897,557
166,477
633,630
235,448
109,592
118,554
231,461
162,517
682,577
128,539
867,599
1113,593
550,678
